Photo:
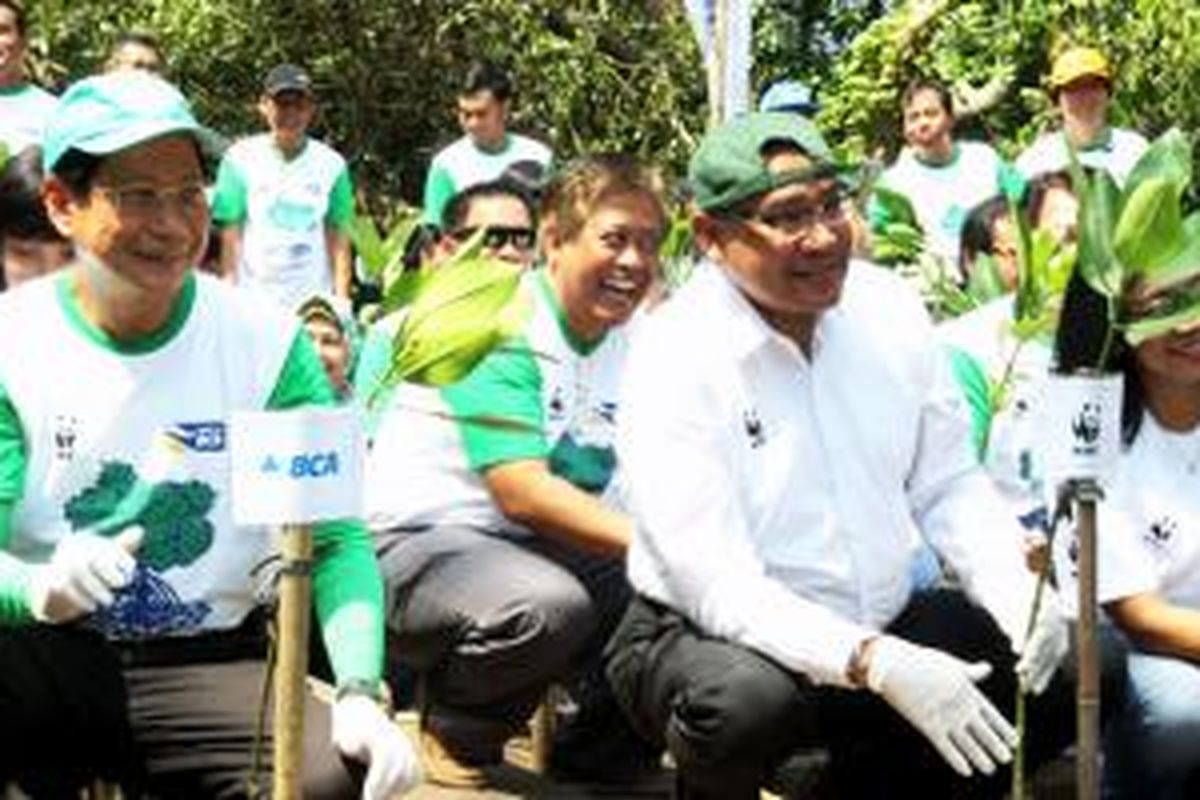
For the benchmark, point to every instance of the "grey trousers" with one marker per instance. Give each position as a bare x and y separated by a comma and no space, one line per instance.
488,621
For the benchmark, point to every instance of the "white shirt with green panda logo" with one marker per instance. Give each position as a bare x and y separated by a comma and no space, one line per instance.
284,206
146,442
1148,525
543,395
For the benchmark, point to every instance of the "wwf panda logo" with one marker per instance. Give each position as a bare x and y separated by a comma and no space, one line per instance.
1086,425
1160,534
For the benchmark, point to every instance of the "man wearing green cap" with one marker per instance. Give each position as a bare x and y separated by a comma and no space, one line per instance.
131,641
789,432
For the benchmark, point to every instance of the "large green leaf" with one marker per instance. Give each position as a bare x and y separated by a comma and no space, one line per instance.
1184,264
1182,310
462,310
1149,232
1168,158
1099,209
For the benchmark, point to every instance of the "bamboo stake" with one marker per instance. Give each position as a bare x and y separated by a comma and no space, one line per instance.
1087,764
291,665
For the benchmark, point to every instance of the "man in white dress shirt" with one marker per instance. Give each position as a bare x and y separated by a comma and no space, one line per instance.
791,432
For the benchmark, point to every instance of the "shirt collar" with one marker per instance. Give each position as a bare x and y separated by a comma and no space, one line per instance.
745,330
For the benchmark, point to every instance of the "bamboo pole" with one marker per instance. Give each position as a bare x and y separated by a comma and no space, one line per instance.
291,665
1087,763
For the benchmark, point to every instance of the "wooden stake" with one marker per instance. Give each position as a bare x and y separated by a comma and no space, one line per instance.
291,661
718,56
1087,763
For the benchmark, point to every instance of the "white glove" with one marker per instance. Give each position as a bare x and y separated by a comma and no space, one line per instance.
1046,646
363,732
83,573
936,693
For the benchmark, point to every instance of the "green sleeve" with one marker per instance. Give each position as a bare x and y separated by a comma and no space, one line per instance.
341,202
439,188
347,587
229,196
14,573
499,408
976,388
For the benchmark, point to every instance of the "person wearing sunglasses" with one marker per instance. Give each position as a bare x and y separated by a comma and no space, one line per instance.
502,210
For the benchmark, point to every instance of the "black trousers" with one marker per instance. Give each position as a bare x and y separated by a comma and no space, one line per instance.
163,720
729,715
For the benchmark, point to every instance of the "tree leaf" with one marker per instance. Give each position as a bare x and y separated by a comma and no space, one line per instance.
1140,330
895,207
1099,210
1169,158
463,309
1150,230
1184,264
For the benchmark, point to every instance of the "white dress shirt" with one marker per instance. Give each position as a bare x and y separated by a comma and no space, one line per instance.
779,500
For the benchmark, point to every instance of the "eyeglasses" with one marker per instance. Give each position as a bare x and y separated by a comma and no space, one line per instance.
497,237
146,201
793,220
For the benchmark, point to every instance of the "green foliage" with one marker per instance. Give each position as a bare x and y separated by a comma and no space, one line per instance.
383,256
455,313
590,76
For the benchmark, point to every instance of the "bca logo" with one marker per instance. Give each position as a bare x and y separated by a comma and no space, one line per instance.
303,465
1086,426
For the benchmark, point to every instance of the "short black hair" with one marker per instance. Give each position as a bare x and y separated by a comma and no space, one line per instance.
18,15
137,39
977,237
22,214
918,85
77,170
485,76
459,207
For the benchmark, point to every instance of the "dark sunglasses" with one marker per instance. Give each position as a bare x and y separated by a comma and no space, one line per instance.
496,237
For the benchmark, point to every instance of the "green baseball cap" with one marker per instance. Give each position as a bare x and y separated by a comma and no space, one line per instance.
107,113
728,166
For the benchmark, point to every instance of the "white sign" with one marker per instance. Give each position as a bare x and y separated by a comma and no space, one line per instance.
1082,426
301,466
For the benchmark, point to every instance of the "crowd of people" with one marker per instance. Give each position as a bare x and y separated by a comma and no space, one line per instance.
770,510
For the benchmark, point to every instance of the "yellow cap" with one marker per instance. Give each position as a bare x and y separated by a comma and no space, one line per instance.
1079,62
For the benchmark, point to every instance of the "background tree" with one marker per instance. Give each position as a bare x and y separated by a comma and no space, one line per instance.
617,74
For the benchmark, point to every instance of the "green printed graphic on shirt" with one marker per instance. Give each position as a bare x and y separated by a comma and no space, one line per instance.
174,514
586,466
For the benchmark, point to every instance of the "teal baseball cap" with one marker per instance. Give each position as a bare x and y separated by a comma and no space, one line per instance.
728,166
107,113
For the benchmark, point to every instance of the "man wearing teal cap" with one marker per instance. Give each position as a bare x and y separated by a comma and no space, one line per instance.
131,641
789,432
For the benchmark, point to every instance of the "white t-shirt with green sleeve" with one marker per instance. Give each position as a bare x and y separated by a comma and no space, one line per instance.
542,395
464,164
942,195
23,113
284,207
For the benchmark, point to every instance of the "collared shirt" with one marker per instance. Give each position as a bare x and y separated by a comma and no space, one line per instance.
779,500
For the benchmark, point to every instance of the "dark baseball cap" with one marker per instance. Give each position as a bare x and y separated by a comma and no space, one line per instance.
286,78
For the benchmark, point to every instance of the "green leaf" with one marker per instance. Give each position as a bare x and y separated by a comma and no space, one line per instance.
895,207
1150,327
1169,158
462,310
1099,208
1149,232
365,237
1184,264
983,281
